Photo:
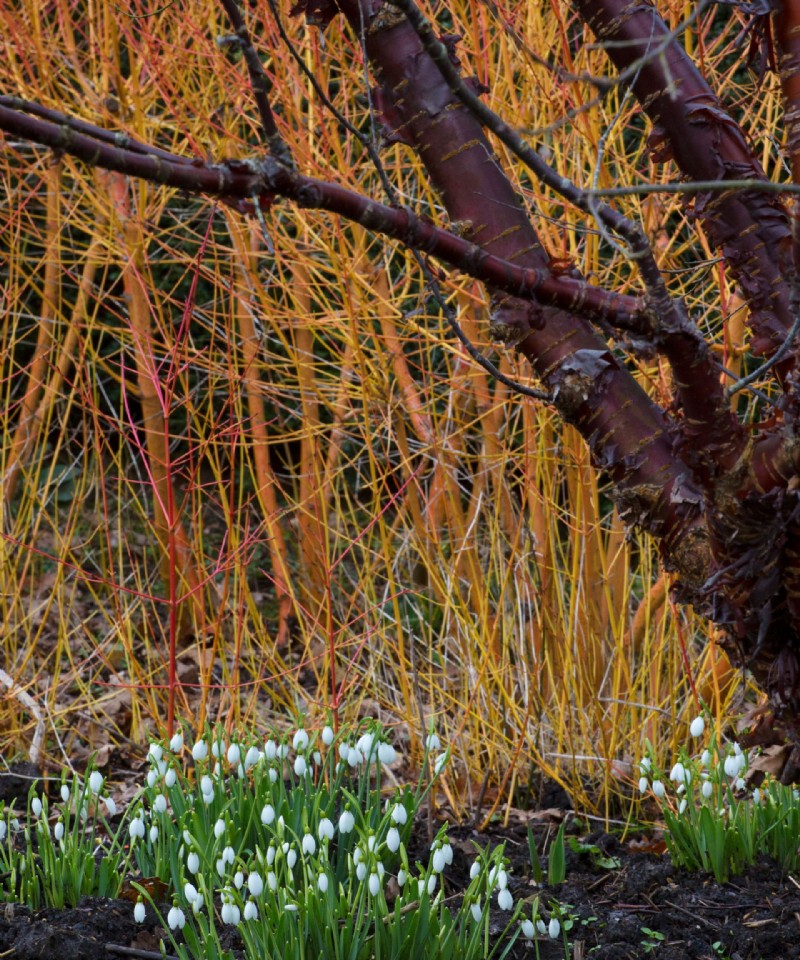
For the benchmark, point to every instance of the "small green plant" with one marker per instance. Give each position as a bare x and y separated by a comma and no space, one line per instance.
653,939
713,822
557,860
595,854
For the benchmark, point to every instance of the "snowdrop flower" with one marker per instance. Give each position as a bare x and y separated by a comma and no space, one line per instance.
155,753
682,807
58,830
176,743
346,822
740,784
553,928
300,766
139,912
36,807
658,789
399,813
322,883
540,926
679,774
217,748
282,753
251,758
707,789
344,751
432,743
325,829
250,911
737,749
272,881
270,750
474,870
476,911
228,855
393,839
208,798
697,727
136,828
705,758
644,784
361,871
432,884
219,828
96,781
267,814
440,763
756,796
176,919
309,844
644,765
733,764
327,736
111,806
230,914
206,784
234,754
153,833
366,745
273,775
438,861
65,793
160,803
190,892
220,867
300,740
152,776
291,859
354,757
197,904
374,884
200,751
255,884
504,899
193,863
387,753
402,876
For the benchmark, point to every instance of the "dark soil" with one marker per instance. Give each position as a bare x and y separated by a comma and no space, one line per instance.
643,908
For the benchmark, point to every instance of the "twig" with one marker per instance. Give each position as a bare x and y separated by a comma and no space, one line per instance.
34,754
122,951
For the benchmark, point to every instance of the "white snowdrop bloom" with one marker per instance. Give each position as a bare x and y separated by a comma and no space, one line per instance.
707,789
346,822
197,904
682,807
374,884
271,856
153,833
645,764
136,828
361,871
658,788
322,883
344,751
393,839
160,803
644,784
273,775
679,774
354,757
285,846
270,750
190,892
309,844
474,870
697,726
300,766
139,912
402,876
218,749
193,863
476,912
283,753
152,776
432,742
250,911
756,796
553,928
737,749
228,856
96,781
208,798
217,770
267,814
327,736
238,879
387,753
325,829
176,919
199,751
155,753
357,855
504,899
255,884
447,850
219,828
541,927
740,784
176,743
58,830
732,765
371,843
438,863
234,754
300,740
291,907
439,764
220,867
111,806
528,929
380,869
36,807
399,813
705,758
65,793
366,745
227,914
272,881
206,784
432,884
251,758
169,778
291,859
502,879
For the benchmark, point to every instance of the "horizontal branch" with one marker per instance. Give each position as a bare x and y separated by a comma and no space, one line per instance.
245,182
